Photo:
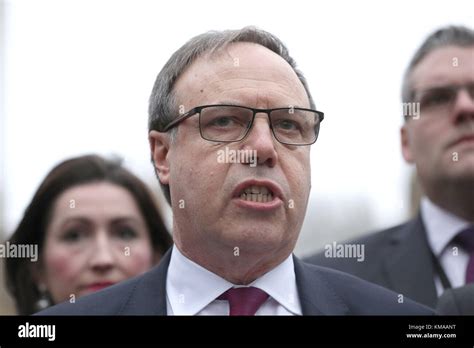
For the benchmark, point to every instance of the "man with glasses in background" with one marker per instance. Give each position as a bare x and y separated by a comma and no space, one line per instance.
235,225
434,251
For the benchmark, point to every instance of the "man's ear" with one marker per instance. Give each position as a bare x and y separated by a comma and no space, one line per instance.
159,147
406,143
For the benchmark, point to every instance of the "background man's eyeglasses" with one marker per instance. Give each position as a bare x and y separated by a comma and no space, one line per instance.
441,98
230,123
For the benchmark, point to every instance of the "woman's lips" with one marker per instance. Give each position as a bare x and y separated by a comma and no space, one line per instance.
468,139
98,286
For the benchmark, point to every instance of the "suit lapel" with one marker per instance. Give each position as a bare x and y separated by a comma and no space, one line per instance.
149,295
408,265
316,297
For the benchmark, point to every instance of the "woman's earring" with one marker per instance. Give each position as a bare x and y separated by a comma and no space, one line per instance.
43,301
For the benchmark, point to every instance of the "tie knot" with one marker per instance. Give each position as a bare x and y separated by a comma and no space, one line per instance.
244,301
466,239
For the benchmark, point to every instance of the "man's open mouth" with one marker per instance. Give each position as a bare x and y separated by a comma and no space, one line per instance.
257,193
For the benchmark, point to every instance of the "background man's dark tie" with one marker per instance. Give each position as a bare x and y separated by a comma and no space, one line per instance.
244,301
465,238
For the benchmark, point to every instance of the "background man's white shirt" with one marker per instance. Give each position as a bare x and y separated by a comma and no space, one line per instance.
192,289
441,227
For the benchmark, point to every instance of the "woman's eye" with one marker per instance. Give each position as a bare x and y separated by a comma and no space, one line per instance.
126,233
73,235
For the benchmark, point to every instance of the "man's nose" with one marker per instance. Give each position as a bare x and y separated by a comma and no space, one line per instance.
463,106
261,140
102,258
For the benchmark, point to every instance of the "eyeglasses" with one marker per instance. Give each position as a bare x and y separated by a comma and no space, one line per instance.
230,123
442,98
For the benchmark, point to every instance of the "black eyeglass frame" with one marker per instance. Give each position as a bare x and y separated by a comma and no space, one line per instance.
198,109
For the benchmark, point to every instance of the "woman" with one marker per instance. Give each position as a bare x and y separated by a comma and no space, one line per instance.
95,224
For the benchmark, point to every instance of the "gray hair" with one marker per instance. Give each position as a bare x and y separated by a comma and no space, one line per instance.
162,104
447,36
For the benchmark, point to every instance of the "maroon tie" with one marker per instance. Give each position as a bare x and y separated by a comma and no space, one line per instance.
465,238
244,301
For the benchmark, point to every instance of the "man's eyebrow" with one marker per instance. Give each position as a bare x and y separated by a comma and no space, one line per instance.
234,103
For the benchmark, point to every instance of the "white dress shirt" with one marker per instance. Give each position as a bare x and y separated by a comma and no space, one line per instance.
441,227
192,289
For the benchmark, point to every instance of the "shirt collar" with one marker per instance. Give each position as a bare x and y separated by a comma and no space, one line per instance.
280,284
441,225
190,287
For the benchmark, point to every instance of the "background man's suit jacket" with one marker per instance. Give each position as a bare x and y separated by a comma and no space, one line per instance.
398,258
321,291
458,301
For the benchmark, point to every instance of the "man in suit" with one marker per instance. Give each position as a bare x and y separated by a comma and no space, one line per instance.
231,121
432,252
457,301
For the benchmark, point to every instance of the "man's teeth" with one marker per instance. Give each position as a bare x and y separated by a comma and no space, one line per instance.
257,194
257,189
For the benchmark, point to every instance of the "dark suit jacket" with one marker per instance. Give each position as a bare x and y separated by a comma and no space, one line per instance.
321,291
398,258
458,301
